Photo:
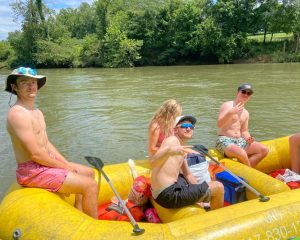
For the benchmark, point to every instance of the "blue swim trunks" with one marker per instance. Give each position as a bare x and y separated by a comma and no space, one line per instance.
223,142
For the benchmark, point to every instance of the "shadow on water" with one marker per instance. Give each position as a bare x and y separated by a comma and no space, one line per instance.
105,112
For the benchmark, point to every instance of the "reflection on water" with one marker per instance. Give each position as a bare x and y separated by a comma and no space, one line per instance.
105,112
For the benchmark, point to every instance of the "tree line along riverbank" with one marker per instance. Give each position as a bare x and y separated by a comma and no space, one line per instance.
159,32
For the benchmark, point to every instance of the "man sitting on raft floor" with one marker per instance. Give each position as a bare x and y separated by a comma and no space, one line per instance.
172,183
234,139
39,164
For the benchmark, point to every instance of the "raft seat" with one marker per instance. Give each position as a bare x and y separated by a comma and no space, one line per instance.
169,215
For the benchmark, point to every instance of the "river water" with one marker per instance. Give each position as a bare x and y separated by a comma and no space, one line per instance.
105,112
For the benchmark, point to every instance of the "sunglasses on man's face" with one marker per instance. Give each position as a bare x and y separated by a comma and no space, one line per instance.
246,92
187,125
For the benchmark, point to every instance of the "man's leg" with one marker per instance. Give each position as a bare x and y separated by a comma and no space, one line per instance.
86,171
234,151
217,194
256,152
87,188
294,141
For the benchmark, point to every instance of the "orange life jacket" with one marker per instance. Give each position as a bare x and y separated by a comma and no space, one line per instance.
108,212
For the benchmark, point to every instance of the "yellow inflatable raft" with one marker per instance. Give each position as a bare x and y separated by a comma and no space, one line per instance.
37,214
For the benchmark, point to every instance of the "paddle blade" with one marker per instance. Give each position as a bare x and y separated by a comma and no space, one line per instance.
200,148
137,230
94,161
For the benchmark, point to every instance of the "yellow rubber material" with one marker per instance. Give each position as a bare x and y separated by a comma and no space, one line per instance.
39,214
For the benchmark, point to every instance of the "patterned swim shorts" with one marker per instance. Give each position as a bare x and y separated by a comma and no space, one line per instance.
223,142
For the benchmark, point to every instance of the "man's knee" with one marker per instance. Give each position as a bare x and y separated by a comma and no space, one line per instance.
264,151
87,171
295,139
91,173
216,188
88,185
92,187
234,150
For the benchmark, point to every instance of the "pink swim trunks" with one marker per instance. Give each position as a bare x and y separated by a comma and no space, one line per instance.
32,174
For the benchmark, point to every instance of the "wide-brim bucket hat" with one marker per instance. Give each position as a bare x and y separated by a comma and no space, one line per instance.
24,71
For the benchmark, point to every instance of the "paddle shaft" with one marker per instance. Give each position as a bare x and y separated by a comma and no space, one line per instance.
136,229
261,197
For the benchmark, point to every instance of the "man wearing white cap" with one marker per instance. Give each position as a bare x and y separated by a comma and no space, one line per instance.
172,183
39,163
234,139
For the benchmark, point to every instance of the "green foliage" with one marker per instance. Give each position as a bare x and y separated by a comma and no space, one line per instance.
33,30
234,16
185,21
126,33
206,37
17,41
141,26
91,53
272,52
6,51
79,22
57,30
64,53
101,9
120,51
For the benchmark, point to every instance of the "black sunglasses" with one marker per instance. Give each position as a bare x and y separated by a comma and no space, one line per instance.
246,92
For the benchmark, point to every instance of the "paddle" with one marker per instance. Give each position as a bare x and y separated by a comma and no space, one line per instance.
201,149
97,163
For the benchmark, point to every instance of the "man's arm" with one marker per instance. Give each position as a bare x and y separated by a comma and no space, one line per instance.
244,128
187,173
170,146
20,127
55,152
50,146
227,112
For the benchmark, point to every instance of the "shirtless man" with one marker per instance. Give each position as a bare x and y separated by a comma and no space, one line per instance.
39,163
234,139
172,183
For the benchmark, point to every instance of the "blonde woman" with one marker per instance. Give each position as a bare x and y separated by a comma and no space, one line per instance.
162,124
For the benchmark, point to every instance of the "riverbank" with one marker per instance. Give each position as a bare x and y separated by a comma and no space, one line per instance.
276,51
279,50
276,57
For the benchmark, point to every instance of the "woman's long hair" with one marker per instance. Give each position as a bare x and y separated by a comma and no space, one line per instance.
165,116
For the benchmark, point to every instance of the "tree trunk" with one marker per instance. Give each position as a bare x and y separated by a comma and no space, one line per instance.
265,33
271,36
296,42
39,5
